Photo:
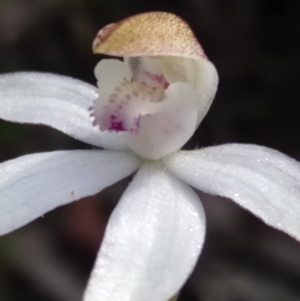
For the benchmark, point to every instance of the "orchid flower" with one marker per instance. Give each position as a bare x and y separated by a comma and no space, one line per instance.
145,109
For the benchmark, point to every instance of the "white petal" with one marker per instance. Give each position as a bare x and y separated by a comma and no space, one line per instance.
110,74
35,184
200,74
152,241
57,101
262,180
168,130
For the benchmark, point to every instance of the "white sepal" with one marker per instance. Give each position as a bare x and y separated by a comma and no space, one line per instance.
57,101
35,184
261,180
152,241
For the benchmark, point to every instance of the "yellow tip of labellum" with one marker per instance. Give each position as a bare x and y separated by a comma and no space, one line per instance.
148,34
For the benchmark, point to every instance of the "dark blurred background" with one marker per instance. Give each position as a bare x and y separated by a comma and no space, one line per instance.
255,45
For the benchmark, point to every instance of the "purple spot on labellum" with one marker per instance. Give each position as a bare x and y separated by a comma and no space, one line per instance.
115,124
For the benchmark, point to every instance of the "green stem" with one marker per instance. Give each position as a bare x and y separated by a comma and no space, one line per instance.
174,298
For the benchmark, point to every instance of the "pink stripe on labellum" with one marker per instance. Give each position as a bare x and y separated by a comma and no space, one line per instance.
159,78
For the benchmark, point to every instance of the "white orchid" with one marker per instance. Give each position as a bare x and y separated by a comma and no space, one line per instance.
145,110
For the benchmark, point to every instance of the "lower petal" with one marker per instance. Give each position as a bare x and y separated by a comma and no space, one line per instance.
261,180
152,241
35,184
